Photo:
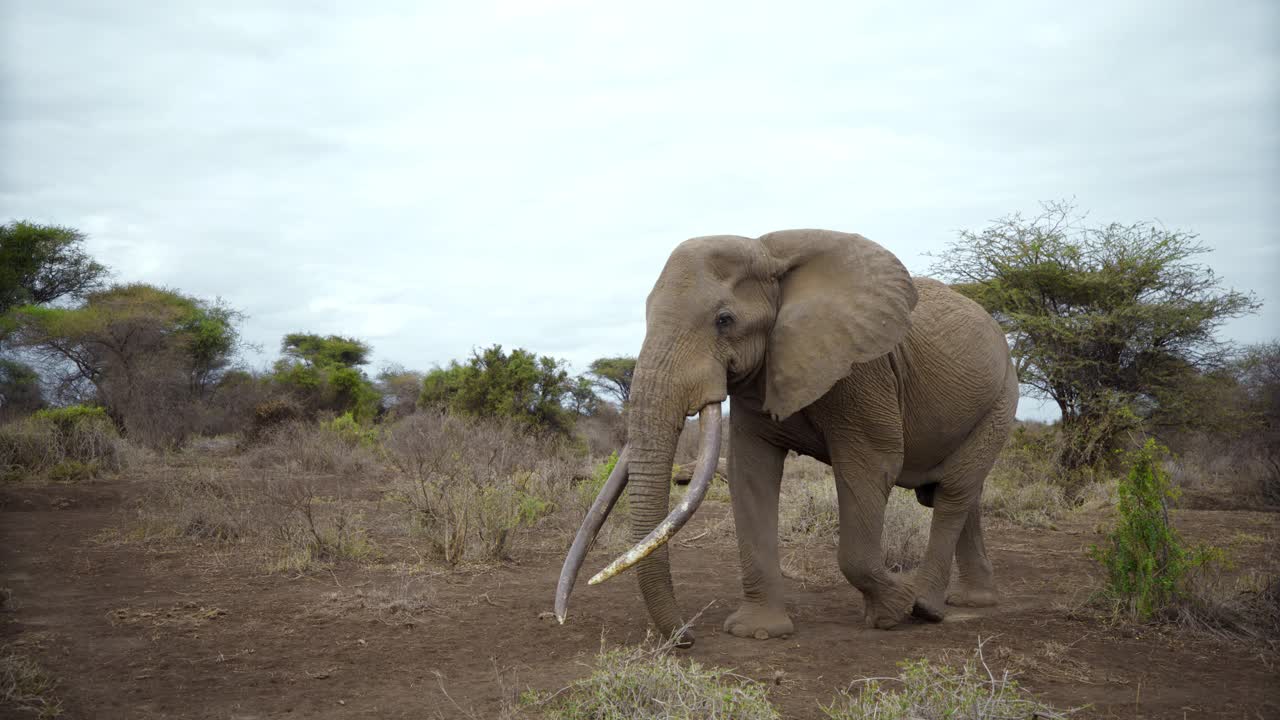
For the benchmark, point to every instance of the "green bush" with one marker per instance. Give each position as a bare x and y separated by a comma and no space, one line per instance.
68,418
68,444
1145,559
599,474
352,432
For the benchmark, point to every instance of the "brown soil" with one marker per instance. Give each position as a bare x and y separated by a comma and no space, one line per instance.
138,632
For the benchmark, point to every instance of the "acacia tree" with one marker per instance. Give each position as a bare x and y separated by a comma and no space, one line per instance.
323,373
146,353
42,263
1103,319
612,375
39,264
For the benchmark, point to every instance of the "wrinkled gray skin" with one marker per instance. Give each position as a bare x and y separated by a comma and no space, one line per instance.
828,347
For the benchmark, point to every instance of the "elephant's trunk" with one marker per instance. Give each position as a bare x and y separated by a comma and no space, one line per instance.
657,416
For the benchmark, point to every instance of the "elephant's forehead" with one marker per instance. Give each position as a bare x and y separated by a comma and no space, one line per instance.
712,259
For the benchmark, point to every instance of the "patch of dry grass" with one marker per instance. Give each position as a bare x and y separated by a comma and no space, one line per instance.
649,682
1216,472
26,688
61,445
809,519
1242,608
926,690
401,602
289,523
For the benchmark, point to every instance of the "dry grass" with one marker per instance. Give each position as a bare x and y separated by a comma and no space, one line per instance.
288,523
925,690
435,487
1242,608
402,602
62,445
309,448
809,520
649,682
1219,473
26,689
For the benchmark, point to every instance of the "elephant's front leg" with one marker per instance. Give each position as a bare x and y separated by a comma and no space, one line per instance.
755,476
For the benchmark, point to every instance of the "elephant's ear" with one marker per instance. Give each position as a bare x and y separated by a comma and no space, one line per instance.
843,300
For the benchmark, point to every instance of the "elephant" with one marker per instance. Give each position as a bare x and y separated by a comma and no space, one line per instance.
826,345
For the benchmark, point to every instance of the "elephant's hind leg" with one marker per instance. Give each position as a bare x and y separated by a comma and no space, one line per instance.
977,586
956,529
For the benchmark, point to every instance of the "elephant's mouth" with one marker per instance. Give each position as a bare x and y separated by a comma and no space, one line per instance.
708,455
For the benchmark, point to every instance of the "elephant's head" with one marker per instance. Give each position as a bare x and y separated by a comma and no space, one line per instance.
799,306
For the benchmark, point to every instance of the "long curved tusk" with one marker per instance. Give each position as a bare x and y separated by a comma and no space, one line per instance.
708,455
604,502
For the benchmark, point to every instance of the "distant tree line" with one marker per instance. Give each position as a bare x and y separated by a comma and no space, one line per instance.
164,364
1116,324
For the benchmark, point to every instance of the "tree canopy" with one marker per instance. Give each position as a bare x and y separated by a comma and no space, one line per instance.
1099,316
494,383
322,372
612,375
325,350
143,352
42,263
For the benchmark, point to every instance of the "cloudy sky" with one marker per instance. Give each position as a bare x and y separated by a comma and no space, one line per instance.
433,177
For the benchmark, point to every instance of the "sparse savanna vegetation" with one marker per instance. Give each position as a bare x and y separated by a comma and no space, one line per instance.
283,526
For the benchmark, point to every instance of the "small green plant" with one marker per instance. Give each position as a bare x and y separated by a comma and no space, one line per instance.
599,475
933,691
73,471
1145,559
352,432
647,682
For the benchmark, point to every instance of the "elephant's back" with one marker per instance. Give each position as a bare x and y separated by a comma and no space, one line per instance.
957,365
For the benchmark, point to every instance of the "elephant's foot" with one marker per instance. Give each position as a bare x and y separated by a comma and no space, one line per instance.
929,607
759,621
887,608
973,597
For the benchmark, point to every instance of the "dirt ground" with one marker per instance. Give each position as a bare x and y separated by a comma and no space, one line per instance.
133,631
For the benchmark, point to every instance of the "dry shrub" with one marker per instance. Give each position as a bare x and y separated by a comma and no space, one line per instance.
1245,608
809,515
906,530
1027,485
297,522
67,444
301,447
1217,472
604,432
1037,504
472,485
270,415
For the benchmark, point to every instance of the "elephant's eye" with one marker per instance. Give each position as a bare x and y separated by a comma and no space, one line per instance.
723,320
